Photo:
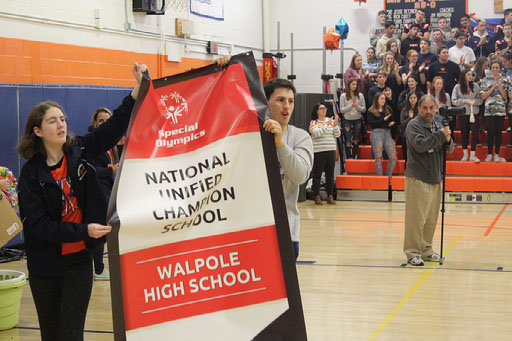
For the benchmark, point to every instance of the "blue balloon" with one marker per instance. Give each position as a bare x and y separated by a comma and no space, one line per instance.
342,28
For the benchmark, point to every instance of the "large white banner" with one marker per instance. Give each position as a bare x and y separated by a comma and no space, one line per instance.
208,8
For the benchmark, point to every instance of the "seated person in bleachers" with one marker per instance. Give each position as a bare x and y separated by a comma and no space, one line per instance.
460,53
379,30
451,42
424,28
355,70
383,41
465,25
437,41
503,45
467,94
442,24
480,40
380,118
394,47
425,56
372,63
412,86
412,42
413,68
409,112
391,68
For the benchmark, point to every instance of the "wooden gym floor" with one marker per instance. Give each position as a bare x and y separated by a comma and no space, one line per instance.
355,284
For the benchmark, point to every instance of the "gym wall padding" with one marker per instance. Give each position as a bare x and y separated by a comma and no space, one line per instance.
79,102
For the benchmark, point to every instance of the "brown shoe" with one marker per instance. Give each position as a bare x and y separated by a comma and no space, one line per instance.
318,200
330,200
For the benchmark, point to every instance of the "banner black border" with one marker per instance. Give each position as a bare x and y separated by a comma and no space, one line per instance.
290,326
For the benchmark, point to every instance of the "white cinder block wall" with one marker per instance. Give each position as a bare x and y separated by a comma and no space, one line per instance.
306,19
73,22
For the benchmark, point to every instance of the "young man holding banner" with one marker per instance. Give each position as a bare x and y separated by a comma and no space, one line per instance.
294,146
294,149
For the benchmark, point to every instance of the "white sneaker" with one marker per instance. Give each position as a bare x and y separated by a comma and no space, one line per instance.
497,158
488,158
465,158
474,158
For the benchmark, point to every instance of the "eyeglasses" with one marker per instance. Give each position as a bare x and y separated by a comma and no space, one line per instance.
322,108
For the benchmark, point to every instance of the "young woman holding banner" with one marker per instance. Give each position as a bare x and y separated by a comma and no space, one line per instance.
62,205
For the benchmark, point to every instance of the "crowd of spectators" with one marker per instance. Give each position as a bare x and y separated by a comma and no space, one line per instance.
462,66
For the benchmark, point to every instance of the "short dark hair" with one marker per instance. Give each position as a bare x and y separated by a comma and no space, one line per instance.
465,15
441,48
314,112
441,17
382,12
437,30
421,10
273,84
414,25
459,34
507,12
426,41
389,23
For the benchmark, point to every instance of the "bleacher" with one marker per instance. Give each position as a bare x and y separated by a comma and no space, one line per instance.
466,181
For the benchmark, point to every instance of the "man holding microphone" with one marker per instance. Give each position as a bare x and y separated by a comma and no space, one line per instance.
423,176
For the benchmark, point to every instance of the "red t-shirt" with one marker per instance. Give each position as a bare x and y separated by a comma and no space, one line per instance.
71,212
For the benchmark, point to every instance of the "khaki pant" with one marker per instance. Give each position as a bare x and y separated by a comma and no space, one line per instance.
422,205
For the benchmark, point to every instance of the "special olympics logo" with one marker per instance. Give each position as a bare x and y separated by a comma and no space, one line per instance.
175,106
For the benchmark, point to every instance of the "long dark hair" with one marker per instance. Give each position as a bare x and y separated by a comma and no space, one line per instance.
375,106
408,105
465,86
398,56
314,113
31,144
347,89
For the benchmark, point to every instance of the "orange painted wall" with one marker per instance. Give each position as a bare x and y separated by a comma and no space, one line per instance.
34,62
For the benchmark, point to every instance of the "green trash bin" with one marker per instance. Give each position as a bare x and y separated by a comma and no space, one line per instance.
11,282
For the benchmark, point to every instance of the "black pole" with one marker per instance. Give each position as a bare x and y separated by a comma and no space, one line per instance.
441,261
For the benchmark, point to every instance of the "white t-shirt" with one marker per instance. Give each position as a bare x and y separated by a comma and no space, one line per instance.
455,53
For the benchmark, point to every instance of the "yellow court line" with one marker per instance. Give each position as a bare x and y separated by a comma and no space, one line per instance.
408,295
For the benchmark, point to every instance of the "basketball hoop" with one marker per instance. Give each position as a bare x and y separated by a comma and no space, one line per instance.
360,1
177,5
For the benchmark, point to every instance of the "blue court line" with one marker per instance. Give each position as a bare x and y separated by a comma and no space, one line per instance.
498,269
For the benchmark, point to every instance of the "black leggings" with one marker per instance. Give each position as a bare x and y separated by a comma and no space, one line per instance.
97,255
62,302
494,128
324,162
465,126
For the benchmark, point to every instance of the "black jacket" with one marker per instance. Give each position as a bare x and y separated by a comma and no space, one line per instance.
40,198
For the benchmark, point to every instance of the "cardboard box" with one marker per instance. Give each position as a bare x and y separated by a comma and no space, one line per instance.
10,224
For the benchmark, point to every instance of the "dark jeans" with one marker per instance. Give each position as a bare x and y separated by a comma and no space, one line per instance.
97,255
351,132
465,126
296,249
62,302
494,128
324,163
